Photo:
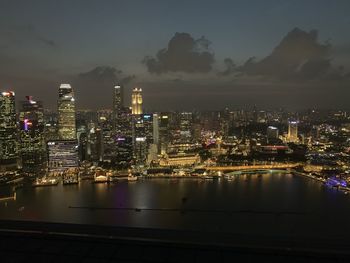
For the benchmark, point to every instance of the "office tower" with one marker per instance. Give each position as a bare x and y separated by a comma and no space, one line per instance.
156,128
63,155
66,113
164,132
32,141
8,131
272,133
94,143
136,101
153,144
123,139
142,137
117,106
82,149
186,122
50,129
105,123
292,131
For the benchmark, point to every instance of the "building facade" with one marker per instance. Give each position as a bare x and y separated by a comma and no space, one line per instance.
32,141
62,155
66,113
8,131
136,101
292,131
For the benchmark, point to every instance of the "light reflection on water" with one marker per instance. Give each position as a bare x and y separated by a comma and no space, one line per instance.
273,203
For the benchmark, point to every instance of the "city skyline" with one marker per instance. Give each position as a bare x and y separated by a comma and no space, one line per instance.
174,130
213,57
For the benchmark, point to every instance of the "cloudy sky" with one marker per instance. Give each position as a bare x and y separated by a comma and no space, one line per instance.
184,54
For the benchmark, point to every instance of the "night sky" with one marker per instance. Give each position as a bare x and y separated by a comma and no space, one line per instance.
184,54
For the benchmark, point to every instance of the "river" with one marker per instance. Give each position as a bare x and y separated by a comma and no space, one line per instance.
270,204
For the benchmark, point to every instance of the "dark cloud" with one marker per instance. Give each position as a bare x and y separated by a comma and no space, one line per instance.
21,35
106,75
183,54
298,56
102,74
341,50
95,87
230,67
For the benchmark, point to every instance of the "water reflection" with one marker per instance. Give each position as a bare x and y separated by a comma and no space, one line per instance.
269,202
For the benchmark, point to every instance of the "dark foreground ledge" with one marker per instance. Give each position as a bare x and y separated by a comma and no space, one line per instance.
24,241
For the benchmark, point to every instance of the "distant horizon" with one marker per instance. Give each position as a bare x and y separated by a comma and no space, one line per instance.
246,107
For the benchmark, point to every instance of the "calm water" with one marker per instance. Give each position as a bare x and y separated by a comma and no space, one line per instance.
273,204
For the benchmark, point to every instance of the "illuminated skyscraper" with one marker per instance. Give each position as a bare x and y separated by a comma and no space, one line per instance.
117,106
186,122
136,101
142,137
66,113
292,131
163,132
32,142
8,131
123,139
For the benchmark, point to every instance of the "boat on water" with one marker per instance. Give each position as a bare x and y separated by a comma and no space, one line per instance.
101,176
132,178
45,182
101,179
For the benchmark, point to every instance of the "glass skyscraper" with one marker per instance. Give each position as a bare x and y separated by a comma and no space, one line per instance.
8,131
32,141
66,113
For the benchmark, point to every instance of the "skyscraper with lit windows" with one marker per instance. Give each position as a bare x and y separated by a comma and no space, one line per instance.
136,101
66,113
8,131
292,131
117,106
32,141
142,137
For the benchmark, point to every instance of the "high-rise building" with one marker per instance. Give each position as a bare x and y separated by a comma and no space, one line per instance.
186,122
142,137
8,131
66,113
124,139
32,141
164,132
108,143
117,106
50,130
136,101
94,143
272,133
292,131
